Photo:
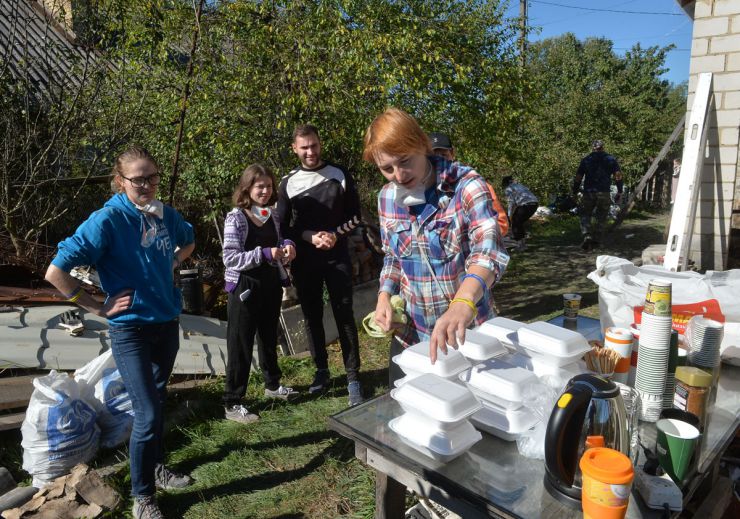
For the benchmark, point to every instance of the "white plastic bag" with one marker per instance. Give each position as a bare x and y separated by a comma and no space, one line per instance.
59,430
622,286
539,399
103,387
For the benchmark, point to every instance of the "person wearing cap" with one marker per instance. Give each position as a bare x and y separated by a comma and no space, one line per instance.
442,147
596,171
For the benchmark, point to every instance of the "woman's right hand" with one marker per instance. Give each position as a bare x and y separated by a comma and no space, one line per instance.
117,303
384,312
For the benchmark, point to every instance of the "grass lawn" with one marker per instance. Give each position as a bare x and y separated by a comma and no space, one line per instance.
288,465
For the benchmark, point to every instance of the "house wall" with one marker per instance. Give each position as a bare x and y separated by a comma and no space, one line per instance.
716,48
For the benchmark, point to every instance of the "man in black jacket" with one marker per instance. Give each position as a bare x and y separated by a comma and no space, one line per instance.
316,201
596,171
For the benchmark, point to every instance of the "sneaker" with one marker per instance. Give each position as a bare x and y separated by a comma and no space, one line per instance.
239,413
355,393
146,508
320,381
166,479
283,393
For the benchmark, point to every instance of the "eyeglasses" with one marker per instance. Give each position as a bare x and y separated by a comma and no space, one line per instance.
152,180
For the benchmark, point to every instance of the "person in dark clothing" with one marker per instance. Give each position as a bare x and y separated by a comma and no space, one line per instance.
522,205
596,171
316,201
253,254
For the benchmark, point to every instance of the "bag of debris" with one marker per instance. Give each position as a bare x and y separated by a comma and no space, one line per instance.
103,387
59,430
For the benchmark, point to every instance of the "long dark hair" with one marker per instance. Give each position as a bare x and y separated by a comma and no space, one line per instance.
241,197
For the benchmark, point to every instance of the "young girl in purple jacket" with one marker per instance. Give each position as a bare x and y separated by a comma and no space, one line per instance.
254,254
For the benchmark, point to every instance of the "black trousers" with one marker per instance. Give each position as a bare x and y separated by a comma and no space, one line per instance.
257,315
309,279
519,218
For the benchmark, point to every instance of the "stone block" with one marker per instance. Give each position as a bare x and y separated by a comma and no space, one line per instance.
714,26
713,63
736,220
733,62
726,7
729,137
726,82
735,24
699,46
7,482
702,9
728,118
724,44
731,100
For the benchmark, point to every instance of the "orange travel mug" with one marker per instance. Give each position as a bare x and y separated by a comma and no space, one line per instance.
607,482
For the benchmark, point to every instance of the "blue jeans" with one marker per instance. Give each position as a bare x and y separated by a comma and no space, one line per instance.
145,355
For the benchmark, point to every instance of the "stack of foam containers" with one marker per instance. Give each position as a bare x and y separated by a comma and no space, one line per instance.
415,361
435,419
500,387
551,346
479,347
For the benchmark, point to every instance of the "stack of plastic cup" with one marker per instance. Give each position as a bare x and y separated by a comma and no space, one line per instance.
655,349
620,340
703,337
670,376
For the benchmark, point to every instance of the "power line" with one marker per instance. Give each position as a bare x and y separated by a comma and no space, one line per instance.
604,10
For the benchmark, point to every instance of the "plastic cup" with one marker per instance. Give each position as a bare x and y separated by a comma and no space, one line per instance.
658,298
620,340
677,440
607,480
571,305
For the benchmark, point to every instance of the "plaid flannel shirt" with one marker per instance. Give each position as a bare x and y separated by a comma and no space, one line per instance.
461,231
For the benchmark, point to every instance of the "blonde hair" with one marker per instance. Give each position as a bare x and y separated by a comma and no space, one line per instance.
131,154
396,133
241,197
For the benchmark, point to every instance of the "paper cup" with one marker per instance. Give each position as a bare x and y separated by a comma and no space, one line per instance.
571,305
620,340
675,446
658,298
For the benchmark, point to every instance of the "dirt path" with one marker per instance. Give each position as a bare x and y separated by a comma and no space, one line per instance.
554,264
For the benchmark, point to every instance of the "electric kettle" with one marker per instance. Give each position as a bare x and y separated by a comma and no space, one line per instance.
589,413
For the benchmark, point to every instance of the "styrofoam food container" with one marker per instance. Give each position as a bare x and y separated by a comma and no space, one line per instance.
479,346
439,444
507,424
436,398
543,339
415,360
505,330
499,382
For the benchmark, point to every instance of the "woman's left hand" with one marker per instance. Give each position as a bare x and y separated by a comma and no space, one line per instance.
288,253
450,329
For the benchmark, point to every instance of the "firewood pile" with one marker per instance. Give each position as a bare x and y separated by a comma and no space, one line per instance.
81,493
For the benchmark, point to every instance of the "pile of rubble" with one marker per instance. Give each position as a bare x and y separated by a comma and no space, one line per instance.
81,493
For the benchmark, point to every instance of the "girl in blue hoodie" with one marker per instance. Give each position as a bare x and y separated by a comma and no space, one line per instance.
135,242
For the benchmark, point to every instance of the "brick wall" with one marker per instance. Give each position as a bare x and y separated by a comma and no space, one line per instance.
716,48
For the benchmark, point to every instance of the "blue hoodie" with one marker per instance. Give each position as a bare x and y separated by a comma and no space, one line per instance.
112,240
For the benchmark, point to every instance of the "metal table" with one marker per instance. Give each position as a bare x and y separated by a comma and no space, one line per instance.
492,479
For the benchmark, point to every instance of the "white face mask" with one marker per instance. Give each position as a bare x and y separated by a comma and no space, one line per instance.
415,195
154,207
261,213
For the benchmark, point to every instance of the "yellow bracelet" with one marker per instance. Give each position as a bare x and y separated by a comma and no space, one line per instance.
468,302
76,295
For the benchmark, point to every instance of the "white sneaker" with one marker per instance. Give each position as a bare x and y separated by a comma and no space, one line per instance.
146,508
283,393
239,413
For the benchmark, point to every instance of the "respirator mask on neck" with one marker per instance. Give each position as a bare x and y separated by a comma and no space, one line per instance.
416,195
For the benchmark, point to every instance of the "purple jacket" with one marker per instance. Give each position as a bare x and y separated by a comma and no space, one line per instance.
235,258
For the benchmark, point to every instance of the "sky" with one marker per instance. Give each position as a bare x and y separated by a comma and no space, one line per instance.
552,18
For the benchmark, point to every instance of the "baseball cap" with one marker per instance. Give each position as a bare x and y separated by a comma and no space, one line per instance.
440,140
598,144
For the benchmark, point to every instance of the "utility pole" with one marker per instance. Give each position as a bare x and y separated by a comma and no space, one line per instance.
523,29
